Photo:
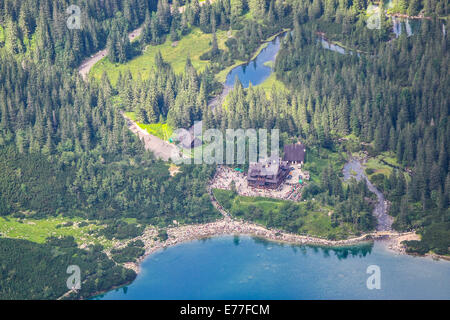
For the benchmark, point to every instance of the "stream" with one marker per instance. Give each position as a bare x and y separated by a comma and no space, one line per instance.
256,71
384,220
242,267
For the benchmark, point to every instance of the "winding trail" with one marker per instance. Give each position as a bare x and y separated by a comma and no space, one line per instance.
160,148
218,100
381,208
87,64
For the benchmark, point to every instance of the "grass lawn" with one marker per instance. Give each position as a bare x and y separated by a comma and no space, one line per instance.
160,130
304,217
37,230
192,45
249,16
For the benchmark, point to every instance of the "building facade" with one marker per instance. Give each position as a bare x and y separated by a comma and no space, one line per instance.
267,174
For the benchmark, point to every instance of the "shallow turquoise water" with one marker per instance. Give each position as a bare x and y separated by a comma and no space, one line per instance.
247,268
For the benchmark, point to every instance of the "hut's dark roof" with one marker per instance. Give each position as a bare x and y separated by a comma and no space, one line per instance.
294,152
267,172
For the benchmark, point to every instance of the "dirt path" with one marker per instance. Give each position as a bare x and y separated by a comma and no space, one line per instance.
87,64
160,148
218,100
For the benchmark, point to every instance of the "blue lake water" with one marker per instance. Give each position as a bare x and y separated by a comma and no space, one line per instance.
246,268
255,71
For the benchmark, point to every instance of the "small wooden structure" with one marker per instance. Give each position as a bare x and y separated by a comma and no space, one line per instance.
294,153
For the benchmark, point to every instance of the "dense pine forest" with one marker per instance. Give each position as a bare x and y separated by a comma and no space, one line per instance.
41,273
65,148
56,129
38,29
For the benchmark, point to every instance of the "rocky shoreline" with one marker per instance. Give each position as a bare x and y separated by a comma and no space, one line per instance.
228,226
395,244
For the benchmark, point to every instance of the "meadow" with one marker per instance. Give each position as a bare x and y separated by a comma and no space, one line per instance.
38,230
192,45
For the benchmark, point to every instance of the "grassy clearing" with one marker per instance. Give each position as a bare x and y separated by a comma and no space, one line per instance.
303,218
2,34
160,130
38,230
378,168
130,220
390,158
192,45
315,163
